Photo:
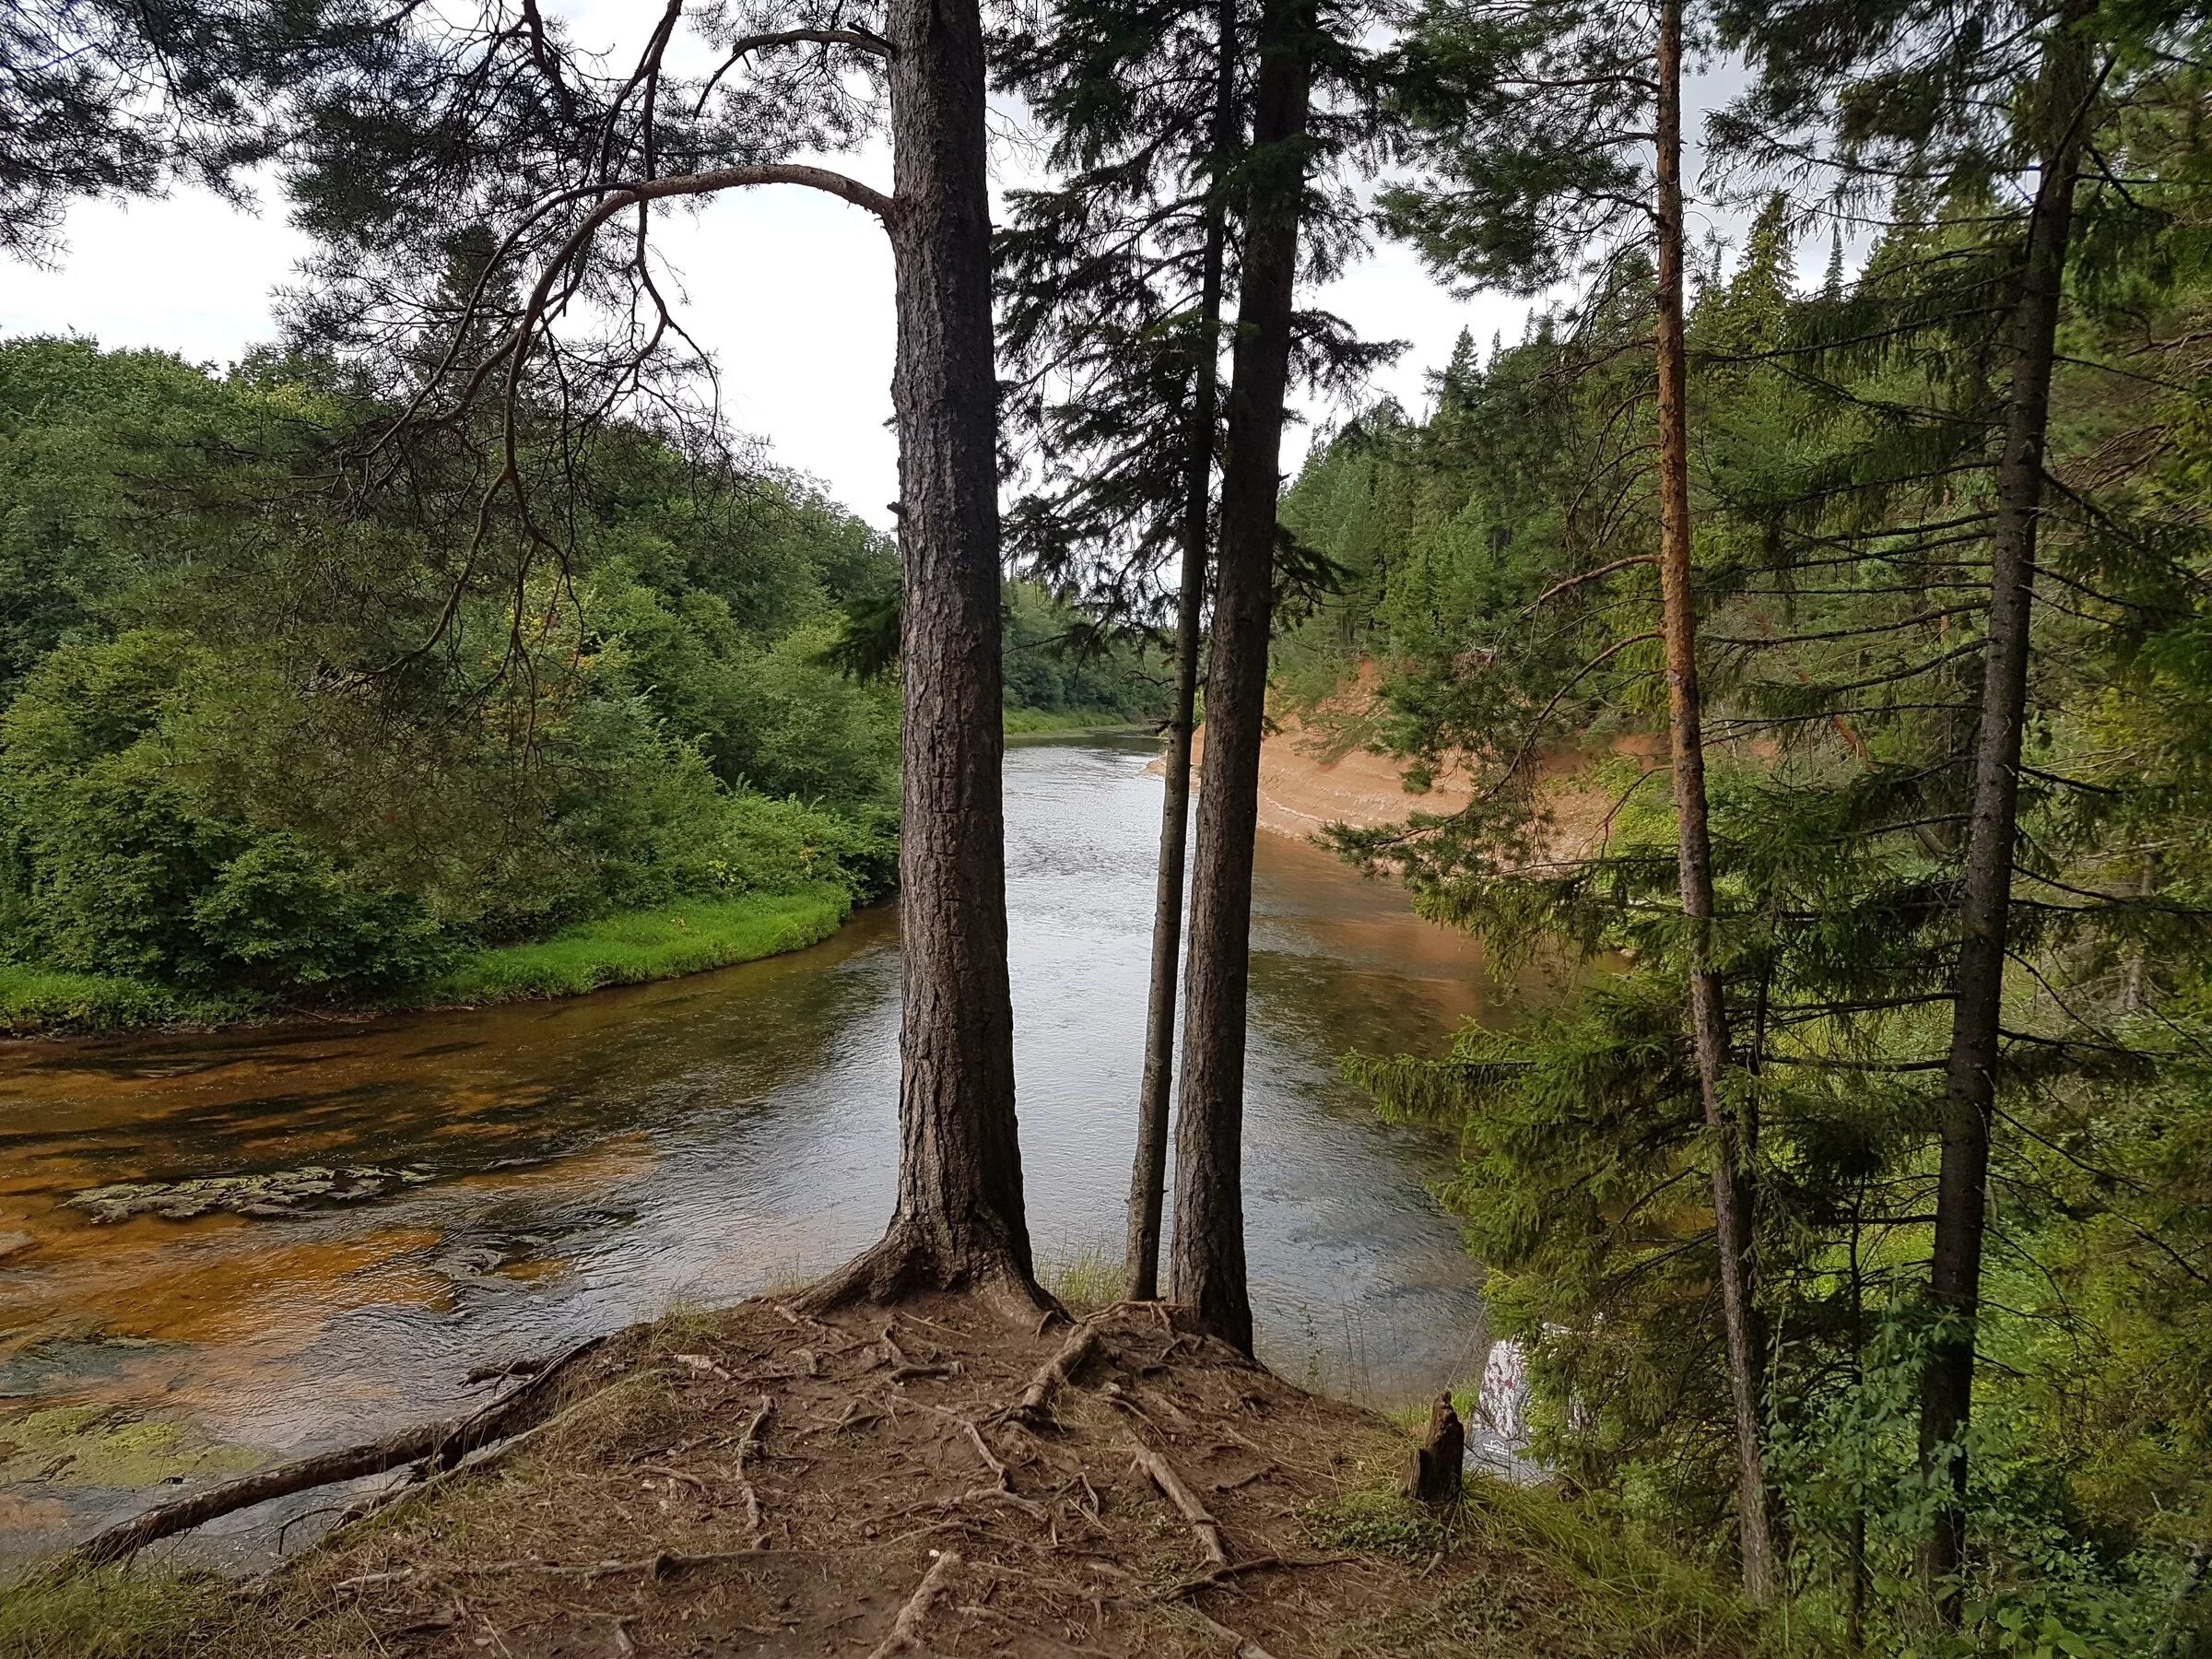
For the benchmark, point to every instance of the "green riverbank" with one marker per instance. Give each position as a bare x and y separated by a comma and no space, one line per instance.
666,941
1069,723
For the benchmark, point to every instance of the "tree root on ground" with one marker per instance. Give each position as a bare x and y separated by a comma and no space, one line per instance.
906,1629
1172,1486
438,1447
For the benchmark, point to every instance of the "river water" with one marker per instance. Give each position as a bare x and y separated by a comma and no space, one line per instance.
598,1160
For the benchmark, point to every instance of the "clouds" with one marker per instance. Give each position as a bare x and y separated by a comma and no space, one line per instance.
789,288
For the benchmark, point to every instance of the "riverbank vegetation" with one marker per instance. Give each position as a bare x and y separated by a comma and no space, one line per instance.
1858,1229
1975,1224
232,783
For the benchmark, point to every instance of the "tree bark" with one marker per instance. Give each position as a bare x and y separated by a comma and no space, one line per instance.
1209,1273
958,1220
1147,1179
1970,1073
1743,1328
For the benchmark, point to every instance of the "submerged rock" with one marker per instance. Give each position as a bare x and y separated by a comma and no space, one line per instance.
279,1192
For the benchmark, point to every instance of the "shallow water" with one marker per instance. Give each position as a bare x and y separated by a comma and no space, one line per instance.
594,1162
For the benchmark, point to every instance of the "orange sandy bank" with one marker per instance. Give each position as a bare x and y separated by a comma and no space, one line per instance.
1302,791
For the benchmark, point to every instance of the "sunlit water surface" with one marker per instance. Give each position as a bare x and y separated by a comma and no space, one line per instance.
598,1160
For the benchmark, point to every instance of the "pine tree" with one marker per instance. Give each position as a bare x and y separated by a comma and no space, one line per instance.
1115,284
1526,113
121,97
1936,114
504,124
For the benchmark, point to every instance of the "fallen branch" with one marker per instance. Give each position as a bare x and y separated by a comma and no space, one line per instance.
489,1457
437,1446
906,1629
1163,1476
909,1373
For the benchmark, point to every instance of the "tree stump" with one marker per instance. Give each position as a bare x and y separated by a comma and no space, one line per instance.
1432,1469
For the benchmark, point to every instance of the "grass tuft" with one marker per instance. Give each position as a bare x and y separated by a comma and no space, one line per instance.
115,1614
35,1001
1084,1277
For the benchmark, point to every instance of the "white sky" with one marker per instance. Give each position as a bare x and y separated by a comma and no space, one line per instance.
790,288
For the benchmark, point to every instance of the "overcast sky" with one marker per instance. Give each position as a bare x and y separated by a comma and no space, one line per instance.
790,288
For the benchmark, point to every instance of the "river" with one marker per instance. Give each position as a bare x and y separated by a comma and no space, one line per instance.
575,1166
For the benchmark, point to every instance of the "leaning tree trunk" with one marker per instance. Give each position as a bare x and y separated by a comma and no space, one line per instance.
958,1220
1743,1328
1209,1130
1147,1179
1970,1073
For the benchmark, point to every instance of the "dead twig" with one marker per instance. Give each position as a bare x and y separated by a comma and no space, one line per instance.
748,1448
700,1362
1266,1563
910,1374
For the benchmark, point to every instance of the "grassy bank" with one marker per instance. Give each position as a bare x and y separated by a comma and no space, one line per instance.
1036,723
687,937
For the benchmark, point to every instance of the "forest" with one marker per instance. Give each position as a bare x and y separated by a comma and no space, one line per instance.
1806,608
234,784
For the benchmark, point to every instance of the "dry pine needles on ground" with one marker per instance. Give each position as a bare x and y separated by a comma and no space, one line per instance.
930,1480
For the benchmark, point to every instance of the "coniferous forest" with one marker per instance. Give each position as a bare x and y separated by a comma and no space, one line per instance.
1792,638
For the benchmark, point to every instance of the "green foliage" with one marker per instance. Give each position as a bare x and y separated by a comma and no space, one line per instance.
262,742
1843,440
1058,668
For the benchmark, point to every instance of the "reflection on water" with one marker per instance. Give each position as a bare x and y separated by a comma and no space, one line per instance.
594,1161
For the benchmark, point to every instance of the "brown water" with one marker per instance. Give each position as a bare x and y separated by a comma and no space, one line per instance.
595,1161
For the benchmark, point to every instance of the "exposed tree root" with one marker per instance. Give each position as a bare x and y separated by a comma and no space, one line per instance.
748,1448
1243,1647
655,1517
1172,1486
1035,1407
438,1447
906,1629
907,1263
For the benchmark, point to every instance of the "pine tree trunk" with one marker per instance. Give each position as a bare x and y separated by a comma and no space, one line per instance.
1209,1130
958,1220
1148,1180
1743,1328
1969,1077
